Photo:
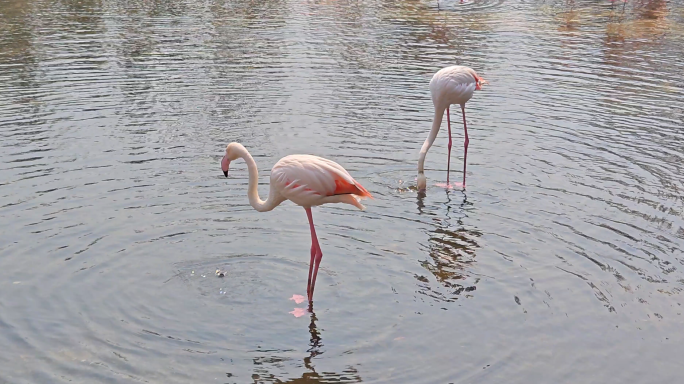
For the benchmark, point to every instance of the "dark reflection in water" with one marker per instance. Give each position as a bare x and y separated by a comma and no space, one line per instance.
451,247
347,375
564,260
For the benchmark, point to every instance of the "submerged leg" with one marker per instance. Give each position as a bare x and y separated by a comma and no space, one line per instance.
316,256
448,147
465,152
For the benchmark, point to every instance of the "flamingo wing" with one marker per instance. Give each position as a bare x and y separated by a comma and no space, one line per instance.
313,175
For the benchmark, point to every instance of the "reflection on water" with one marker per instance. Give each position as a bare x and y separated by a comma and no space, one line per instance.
451,247
347,375
563,260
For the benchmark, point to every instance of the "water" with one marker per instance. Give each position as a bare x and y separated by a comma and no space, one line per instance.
561,263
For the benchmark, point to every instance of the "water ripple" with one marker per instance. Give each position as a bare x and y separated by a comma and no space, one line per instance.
115,214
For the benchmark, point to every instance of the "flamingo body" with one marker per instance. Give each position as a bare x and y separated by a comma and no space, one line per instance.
450,85
309,181
305,180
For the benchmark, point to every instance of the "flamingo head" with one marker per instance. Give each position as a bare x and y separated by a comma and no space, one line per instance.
232,153
225,163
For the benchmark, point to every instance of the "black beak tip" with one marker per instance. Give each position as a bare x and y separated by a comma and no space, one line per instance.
225,173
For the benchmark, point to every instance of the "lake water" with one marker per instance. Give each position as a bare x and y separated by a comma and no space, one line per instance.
562,262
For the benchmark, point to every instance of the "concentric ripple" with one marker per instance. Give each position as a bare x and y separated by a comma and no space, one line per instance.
562,260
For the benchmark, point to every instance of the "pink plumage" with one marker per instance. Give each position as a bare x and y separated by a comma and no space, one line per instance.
310,180
305,180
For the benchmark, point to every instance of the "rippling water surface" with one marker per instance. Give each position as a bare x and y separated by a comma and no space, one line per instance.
561,263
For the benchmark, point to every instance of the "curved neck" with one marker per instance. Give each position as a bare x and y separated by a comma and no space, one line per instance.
436,123
252,190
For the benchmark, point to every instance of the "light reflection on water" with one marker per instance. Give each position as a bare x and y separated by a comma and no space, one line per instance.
561,261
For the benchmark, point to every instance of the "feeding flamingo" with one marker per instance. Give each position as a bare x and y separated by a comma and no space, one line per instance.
306,181
450,85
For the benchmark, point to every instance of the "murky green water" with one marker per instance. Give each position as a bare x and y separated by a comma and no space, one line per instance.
562,263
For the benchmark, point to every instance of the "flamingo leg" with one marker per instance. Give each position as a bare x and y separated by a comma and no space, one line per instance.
311,264
465,151
316,256
319,256
449,146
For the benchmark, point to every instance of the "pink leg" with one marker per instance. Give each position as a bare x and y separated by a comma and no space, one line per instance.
311,264
448,147
319,256
465,152
316,256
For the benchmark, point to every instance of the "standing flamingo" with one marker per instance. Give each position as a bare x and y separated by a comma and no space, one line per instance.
450,85
306,181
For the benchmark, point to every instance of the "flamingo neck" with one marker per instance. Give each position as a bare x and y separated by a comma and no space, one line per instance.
436,123
252,190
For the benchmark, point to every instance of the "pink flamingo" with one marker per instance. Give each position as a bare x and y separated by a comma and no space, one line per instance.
450,85
306,181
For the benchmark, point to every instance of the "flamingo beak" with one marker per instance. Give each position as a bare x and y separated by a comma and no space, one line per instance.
225,164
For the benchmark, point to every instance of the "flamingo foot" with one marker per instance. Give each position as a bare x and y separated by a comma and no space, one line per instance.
299,312
298,299
452,185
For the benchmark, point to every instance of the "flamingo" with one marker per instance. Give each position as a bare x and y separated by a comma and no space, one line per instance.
305,180
450,85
